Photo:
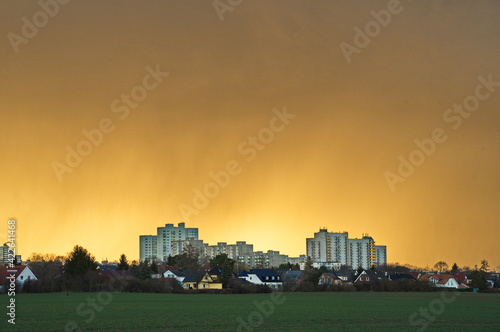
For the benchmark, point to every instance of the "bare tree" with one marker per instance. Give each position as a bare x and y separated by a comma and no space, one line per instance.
485,266
441,266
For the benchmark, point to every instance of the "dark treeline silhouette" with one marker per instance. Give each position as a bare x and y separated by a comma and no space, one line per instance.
79,272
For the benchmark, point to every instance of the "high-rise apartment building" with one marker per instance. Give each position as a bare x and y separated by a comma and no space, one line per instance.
232,251
260,259
380,255
362,252
160,245
148,247
4,254
328,247
178,246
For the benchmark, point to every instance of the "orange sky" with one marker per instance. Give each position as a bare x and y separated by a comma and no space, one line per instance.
324,169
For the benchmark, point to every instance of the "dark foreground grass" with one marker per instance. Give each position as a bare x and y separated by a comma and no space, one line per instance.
299,311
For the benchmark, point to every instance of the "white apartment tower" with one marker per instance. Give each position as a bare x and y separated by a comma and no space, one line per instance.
328,247
160,245
148,247
362,252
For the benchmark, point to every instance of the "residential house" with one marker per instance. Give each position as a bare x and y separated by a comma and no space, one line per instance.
344,275
329,279
209,282
191,279
216,273
22,273
415,275
441,280
178,275
200,280
368,276
461,278
266,277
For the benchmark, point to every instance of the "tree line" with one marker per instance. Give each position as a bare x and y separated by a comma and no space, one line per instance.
78,271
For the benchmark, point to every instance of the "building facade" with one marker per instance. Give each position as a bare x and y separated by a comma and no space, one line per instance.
4,255
178,246
160,246
297,260
362,252
335,249
380,255
260,259
328,247
233,251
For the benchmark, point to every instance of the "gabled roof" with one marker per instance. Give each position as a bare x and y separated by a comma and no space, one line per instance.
178,273
445,279
193,276
347,275
372,276
344,273
18,270
164,268
415,275
441,279
210,278
332,275
460,277
216,271
243,273
263,273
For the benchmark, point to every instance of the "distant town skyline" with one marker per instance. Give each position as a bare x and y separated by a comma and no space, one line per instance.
262,125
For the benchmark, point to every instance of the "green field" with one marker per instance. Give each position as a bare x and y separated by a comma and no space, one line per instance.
298,311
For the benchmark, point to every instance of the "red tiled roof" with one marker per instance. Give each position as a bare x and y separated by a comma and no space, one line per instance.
461,278
414,274
444,280
441,278
4,271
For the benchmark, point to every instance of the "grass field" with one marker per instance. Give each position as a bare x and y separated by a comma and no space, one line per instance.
297,311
